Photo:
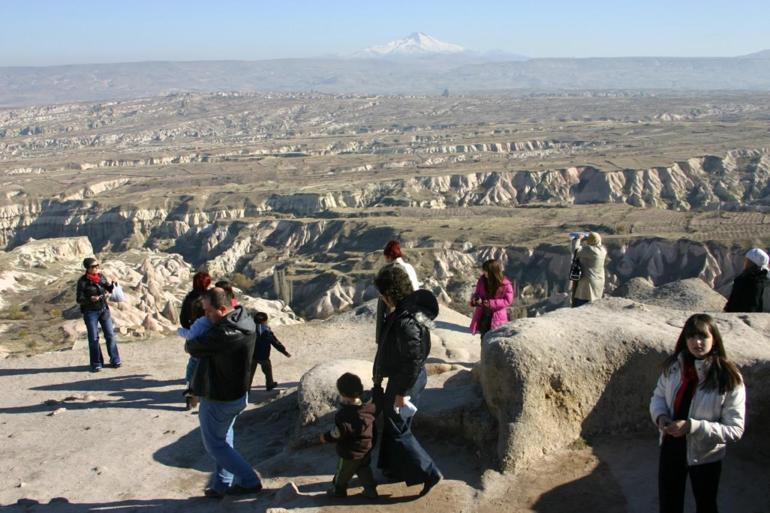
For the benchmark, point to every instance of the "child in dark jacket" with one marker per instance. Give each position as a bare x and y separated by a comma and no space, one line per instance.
265,339
354,434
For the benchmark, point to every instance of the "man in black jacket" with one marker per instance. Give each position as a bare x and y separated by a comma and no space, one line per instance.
227,349
749,287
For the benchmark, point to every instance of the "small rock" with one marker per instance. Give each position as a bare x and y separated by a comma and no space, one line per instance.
59,500
286,493
26,502
21,485
57,411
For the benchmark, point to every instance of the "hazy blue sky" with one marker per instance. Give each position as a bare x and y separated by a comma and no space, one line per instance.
45,32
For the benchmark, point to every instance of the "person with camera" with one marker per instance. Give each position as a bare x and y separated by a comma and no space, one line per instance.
92,291
591,256
493,295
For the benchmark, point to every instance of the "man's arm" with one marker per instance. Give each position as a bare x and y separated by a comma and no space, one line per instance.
208,344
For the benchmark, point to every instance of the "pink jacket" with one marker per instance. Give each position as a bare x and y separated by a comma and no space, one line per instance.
499,304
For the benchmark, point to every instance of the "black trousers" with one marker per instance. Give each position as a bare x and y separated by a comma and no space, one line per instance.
400,452
267,370
672,479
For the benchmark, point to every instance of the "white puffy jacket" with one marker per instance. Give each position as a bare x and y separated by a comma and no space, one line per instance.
715,418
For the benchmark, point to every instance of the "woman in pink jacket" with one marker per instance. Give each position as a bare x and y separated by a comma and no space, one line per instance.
493,296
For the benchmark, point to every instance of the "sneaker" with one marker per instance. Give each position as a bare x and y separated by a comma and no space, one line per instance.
271,386
210,493
432,481
370,493
116,365
336,492
241,490
96,369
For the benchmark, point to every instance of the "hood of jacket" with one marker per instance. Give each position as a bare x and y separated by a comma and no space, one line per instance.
239,320
422,304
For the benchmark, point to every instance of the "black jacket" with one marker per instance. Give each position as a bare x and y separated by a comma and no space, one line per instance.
405,341
354,430
225,352
185,317
747,292
86,288
265,340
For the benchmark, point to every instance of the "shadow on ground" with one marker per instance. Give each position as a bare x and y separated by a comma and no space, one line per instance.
133,391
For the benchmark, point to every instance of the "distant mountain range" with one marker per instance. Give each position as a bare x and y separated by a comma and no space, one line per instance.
417,64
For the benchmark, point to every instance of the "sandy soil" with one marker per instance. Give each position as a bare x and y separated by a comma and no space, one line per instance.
120,440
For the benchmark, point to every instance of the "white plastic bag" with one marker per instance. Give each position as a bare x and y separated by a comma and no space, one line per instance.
407,410
117,294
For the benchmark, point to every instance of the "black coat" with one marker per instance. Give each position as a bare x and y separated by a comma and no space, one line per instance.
748,288
265,340
404,344
225,352
86,288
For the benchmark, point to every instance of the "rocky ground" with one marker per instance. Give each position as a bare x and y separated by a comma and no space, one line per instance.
120,440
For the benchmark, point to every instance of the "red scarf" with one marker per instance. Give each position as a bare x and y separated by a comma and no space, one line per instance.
686,389
96,279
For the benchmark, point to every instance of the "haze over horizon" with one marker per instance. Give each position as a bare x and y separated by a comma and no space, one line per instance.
49,33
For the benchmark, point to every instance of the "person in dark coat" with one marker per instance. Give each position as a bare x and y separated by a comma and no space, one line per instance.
93,288
201,282
749,286
223,385
401,353
354,433
265,340
190,312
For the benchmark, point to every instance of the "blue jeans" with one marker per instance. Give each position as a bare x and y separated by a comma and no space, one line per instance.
93,318
400,453
192,362
216,420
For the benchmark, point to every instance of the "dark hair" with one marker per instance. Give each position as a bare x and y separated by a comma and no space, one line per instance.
722,374
201,280
217,297
350,385
227,287
392,249
260,317
196,309
494,276
393,283
88,262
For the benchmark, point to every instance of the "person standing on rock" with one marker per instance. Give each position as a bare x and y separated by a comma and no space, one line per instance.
493,295
393,255
228,347
749,286
92,290
591,256
699,405
401,353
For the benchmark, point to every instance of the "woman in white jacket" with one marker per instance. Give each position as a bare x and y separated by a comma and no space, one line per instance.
699,405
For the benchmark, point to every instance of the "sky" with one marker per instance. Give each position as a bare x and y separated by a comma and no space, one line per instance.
54,32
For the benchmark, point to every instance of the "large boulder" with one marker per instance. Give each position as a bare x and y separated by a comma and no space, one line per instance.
585,372
317,396
692,294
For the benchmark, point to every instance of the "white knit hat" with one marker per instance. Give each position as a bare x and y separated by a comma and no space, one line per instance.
758,257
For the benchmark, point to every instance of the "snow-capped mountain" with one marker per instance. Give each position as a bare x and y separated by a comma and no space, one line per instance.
414,45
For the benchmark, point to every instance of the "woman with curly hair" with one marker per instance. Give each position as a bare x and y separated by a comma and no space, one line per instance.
404,346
